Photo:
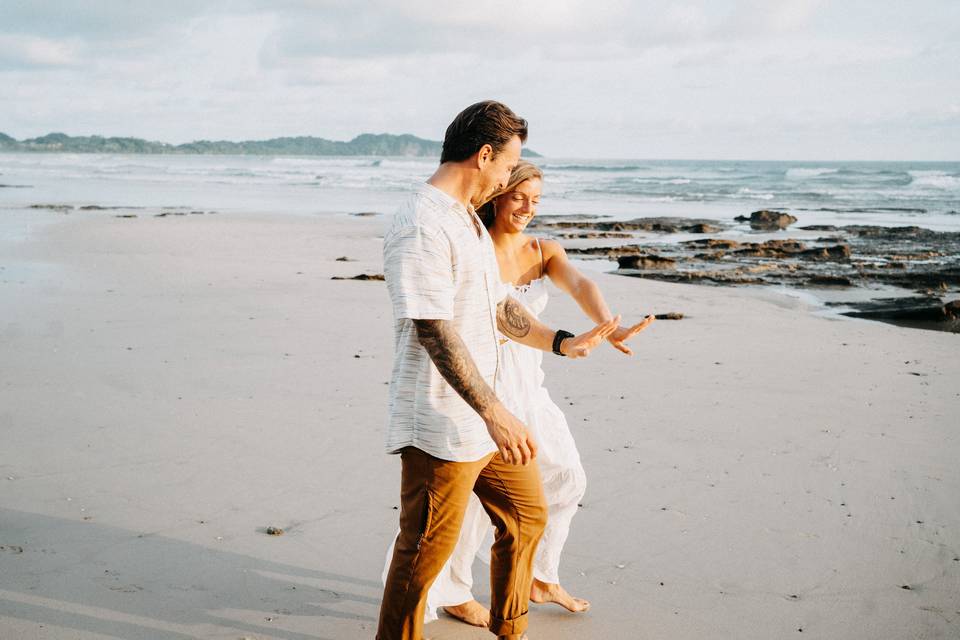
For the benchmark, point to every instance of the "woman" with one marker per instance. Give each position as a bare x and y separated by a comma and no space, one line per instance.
526,262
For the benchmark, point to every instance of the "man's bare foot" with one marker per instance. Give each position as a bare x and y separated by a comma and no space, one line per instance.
543,592
471,612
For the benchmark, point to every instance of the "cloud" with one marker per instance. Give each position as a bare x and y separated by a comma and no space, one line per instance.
652,77
30,52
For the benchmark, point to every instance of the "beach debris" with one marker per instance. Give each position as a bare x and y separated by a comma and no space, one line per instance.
345,259
12,548
126,215
672,315
361,276
365,214
274,531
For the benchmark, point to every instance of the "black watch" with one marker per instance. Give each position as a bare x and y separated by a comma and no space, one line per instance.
559,337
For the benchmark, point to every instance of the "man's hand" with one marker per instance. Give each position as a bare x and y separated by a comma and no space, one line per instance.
620,336
515,443
580,346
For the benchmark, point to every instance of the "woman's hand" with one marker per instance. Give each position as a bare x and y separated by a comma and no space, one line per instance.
580,346
618,338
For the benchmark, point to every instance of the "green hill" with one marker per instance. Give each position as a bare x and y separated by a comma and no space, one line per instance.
367,144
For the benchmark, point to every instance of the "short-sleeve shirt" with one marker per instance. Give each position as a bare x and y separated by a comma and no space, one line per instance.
439,263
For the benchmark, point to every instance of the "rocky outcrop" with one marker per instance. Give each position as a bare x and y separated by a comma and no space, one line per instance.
646,261
766,220
653,225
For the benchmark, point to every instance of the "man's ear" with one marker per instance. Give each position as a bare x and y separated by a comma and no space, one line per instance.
484,155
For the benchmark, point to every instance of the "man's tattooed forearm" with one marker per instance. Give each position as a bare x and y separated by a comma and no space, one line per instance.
453,361
512,318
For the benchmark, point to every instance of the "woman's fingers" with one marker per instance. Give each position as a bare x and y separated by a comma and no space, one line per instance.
624,348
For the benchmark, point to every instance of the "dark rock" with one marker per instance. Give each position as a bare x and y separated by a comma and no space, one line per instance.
771,249
610,252
345,259
830,281
592,235
915,308
729,277
63,208
819,227
673,315
836,252
769,220
887,232
365,214
713,256
655,224
647,261
713,243
704,228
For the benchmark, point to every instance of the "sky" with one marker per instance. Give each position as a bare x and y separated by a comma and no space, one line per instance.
724,79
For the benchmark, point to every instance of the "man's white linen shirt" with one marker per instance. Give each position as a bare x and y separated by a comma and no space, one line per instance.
436,266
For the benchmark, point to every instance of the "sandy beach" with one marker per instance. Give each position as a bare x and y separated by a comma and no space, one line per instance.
173,386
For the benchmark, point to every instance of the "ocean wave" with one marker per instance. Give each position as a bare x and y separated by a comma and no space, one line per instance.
802,173
592,167
935,179
750,193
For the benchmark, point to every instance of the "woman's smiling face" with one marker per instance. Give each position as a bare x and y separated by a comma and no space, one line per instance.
516,208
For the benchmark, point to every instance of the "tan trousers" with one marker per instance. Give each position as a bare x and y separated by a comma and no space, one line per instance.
433,496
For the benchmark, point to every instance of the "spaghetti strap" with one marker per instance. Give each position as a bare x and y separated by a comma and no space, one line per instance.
540,250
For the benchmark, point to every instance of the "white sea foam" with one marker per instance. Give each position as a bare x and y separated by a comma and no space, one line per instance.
747,192
935,179
802,173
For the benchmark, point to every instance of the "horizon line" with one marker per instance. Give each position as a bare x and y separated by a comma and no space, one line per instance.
542,154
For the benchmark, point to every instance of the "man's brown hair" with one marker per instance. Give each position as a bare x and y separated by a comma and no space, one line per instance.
488,122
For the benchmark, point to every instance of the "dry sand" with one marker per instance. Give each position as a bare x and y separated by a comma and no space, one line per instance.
170,387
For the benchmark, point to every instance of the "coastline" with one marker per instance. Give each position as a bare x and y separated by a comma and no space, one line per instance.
175,385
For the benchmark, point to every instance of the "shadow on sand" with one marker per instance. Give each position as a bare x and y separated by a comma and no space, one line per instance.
105,580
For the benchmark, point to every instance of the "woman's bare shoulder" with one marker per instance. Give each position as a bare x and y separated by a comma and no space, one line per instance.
551,248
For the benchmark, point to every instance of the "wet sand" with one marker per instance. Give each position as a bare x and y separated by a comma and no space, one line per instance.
173,386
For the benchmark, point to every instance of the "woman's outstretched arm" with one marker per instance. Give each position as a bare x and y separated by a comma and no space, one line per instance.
587,294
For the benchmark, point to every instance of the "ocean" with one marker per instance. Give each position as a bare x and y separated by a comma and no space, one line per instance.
925,194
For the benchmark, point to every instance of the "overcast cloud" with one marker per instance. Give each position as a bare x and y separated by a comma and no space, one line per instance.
795,79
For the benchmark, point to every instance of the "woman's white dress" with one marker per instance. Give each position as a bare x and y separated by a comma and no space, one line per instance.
520,388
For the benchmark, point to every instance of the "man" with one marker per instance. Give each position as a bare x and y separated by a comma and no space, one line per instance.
452,433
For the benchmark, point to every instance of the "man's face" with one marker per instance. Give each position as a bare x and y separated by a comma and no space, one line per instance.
495,173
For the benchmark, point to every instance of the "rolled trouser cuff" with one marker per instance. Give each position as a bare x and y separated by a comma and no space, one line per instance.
512,626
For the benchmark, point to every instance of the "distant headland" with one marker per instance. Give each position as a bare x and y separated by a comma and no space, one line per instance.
366,144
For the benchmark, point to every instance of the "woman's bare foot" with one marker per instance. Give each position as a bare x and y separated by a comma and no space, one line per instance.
471,612
543,592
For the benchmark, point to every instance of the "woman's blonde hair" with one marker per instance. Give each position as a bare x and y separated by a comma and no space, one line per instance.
522,172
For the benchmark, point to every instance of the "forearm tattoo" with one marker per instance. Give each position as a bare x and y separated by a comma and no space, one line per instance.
512,318
453,360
